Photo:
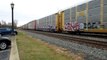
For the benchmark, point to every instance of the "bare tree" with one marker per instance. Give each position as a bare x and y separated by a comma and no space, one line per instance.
9,24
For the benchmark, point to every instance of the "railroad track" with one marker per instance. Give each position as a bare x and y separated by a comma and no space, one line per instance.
71,38
95,35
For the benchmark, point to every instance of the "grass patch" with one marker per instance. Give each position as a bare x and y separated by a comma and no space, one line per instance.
34,49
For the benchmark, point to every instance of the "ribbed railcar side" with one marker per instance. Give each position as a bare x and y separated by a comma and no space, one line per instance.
72,18
48,23
51,21
32,25
66,19
97,16
52,25
25,26
37,25
87,17
41,24
105,15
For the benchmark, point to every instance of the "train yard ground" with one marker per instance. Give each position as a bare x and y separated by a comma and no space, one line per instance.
31,48
87,49
90,40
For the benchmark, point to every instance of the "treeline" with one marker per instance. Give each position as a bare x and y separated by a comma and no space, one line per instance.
3,24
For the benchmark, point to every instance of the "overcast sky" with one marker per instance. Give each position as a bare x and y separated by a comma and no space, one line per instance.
28,10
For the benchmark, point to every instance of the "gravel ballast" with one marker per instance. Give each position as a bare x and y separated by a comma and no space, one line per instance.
90,53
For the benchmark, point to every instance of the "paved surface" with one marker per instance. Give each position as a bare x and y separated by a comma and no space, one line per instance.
14,51
5,54
11,53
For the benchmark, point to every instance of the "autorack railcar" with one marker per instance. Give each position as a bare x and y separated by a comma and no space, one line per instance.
90,17
31,25
49,23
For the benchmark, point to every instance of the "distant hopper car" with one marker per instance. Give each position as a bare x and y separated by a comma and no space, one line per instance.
90,17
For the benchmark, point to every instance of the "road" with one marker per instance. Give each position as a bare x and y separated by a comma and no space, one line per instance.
5,54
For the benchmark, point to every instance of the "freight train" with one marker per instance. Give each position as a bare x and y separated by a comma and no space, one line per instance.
90,17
